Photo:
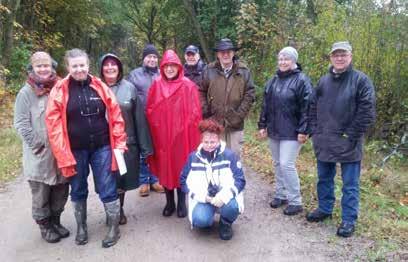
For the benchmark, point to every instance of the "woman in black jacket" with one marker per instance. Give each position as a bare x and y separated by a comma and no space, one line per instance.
138,136
284,120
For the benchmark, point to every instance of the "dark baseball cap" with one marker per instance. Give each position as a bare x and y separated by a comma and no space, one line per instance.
191,49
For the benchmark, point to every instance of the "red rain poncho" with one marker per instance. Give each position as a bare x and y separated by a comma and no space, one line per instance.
173,111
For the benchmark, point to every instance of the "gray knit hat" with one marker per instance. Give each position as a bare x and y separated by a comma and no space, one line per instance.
290,53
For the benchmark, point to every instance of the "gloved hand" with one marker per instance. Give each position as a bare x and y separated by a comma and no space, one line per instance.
216,201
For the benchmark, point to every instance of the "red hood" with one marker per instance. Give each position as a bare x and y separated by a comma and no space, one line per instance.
170,57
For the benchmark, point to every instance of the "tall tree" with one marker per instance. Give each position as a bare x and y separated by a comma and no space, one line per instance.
8,29
193,17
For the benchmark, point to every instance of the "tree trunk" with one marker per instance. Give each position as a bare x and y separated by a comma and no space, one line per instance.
188,4
8,31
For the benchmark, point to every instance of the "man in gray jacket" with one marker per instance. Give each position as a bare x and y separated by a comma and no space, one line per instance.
142,78
342,108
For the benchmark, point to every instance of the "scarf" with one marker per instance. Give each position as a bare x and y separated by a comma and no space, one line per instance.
40,85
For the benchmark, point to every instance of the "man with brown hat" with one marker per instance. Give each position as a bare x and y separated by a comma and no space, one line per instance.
342,109
227,93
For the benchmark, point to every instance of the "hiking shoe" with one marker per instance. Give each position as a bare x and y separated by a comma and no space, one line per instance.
292,210
144,190
277,202
345,229
157,188
225,230
317,216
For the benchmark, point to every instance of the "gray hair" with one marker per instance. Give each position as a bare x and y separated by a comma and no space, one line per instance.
73,53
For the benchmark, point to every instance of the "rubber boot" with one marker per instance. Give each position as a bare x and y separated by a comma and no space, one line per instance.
81,237
123,218
112,210
60,229
170,204
48,232
181,203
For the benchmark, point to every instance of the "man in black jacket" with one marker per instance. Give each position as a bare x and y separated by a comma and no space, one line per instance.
341,111
194,66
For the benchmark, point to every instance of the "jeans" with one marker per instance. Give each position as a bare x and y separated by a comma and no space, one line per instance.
203,213
145,176
100,160
350,174
284,155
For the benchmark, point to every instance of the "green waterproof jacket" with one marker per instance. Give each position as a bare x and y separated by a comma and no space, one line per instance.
227,97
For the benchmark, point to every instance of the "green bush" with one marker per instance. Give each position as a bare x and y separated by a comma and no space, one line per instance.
16,71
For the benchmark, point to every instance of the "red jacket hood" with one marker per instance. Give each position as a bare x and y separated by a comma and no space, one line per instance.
170,57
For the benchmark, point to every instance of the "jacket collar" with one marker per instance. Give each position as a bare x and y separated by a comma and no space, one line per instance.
218,152
342,74
288,73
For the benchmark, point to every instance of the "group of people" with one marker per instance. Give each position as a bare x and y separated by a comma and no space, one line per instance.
335,114
179,129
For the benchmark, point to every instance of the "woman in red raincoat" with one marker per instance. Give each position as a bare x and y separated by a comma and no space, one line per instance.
173,111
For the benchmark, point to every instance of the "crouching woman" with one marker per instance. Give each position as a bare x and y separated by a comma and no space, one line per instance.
214,181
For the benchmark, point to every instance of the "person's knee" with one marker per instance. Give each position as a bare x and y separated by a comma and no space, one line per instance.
287,166
230,210
202,221
202,215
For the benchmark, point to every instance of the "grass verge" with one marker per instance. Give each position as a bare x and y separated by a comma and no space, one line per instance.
383,206
10,143
10,154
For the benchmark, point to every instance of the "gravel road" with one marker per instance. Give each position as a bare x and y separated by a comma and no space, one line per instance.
260,234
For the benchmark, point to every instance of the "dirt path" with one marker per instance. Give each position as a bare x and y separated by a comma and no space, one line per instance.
261,234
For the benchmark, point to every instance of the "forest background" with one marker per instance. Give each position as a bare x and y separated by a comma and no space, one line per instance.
377,30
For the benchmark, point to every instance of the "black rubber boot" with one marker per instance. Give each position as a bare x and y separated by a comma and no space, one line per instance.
112,210
48,232
60,229
81,237
170,204
181,203
123,218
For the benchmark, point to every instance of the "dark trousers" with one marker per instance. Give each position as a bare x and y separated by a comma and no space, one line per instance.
350,174
48,200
